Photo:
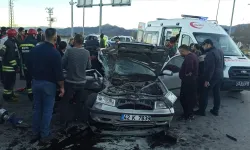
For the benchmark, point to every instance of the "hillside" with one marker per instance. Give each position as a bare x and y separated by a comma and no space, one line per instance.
239,31
107,29
115,30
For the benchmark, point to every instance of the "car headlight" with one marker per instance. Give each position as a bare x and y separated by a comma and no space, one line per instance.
105,100
171,97
160,105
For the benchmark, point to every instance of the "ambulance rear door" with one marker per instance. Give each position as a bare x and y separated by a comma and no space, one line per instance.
152,35
168,32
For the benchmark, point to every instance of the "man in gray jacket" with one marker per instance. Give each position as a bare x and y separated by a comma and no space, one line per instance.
75,61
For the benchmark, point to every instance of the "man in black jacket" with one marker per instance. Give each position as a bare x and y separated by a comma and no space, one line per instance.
9,66
25,48
213,75
40,36
45,66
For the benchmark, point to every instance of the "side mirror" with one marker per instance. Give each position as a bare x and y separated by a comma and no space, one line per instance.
167,72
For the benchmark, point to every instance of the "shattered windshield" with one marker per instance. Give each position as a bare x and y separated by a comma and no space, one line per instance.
124,67
223,42
128,67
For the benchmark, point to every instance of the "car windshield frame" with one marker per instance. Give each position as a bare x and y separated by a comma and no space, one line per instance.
220,41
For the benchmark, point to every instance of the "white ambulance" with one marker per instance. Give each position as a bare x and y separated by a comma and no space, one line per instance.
195,29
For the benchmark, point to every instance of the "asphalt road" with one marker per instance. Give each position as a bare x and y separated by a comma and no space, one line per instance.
203,133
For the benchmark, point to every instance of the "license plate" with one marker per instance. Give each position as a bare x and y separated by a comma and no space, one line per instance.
126,117
242,83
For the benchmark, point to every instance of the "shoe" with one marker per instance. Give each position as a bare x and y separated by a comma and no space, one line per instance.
214,112
46,140
199,113
34,138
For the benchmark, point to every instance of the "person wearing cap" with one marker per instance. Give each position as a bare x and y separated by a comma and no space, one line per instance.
9,66
188,75
213,76
25,48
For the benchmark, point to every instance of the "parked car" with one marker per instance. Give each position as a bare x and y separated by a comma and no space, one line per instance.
122,39
135,92
93,35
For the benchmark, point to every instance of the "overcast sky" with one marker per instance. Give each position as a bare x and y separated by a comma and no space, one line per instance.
32,12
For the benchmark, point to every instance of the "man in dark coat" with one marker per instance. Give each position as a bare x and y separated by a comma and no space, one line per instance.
188,75
213,75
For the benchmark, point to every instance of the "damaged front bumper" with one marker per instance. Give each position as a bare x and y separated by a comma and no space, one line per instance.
102,113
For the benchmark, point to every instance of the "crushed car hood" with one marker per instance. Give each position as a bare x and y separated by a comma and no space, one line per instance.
149,56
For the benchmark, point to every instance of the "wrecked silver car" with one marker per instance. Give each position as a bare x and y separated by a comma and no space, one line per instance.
134,95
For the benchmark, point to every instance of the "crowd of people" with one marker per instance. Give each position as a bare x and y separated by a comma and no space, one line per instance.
40,58
33,54
201,72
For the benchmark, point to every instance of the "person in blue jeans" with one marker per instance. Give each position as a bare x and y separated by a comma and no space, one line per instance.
45,67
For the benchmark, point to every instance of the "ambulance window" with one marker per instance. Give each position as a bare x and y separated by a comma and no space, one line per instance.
220,41
187,40
151,37
169,32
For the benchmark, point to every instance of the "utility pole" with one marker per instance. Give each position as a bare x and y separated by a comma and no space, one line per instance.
230,29
83,22
217,11
100,21
72,17
11,13
49,10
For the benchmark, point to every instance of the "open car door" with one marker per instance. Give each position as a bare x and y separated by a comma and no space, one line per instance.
172,80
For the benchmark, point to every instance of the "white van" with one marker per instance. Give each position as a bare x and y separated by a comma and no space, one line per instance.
195,29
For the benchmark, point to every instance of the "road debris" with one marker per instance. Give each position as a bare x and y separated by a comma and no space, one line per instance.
164,138
72,138
232,138
11,118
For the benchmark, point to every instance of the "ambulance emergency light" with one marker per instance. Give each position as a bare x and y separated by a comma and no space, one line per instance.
195,17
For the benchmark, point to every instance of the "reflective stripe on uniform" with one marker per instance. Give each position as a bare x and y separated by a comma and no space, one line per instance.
8,69
7,92
29,91
13,62
27,45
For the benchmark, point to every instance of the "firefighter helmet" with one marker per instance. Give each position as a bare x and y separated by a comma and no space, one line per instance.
32,32
11,33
